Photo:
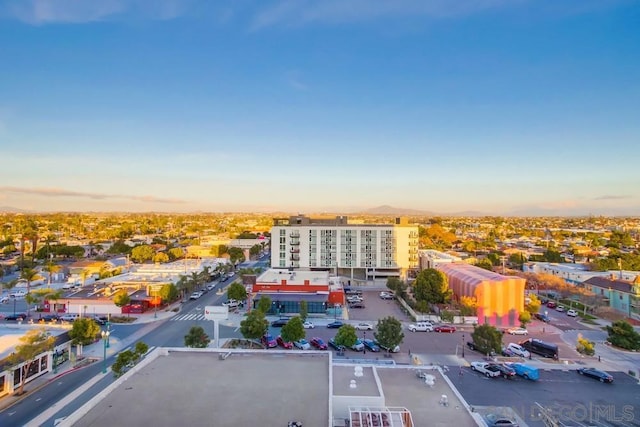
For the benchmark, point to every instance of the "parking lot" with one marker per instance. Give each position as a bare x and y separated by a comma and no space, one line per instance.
377,308
573,399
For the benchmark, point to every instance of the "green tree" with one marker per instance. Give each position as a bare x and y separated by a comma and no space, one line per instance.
304,310
51,268
534,304
622,334
168,292
141,349
264,304
142,253
446,316
432,286
236,255
121,298
84,331
33,343
254,326
525,317
125,359
237,292
487,339
393,283
484,263
293,330
346,336
175,253
160,258
584,346
28,274
389,333
196,338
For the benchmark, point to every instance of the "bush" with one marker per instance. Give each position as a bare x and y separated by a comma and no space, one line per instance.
584,346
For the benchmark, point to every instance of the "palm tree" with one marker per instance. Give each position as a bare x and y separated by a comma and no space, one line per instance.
8,286
195,279
182,285
51,268
28,274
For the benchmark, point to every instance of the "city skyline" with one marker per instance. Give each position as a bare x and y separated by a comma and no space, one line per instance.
489,106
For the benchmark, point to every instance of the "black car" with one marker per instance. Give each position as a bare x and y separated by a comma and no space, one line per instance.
542,317
597,374
279,323
100,320
17,316
473,347
506,372
340,348
50,318
357,305
335,325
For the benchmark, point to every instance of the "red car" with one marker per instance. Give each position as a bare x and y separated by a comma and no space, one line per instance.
551,304
283,343
318,343
268,341
445,328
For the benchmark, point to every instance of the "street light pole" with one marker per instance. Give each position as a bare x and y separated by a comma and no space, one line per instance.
105,339
463,344
364,348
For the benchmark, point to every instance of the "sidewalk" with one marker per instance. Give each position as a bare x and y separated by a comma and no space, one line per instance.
94,353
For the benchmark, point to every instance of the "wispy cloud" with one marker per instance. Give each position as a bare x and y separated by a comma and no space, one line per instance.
612,197
294,80
298,12
58,192
39,12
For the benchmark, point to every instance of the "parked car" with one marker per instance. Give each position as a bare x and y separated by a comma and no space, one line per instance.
357,305
597,374
318,343
483,368
232,303
16,316
308,325
395,349
4,299
279,323
268,341
371,345
355,298
283,343
445,328
513,349
421,327
364,326
333,344
387,295
517,331
358,346
100,320
50,318
20,293
69,317
211,286
302,344
560,308
473,347
543,317
525,371
335,325
572,313
505,371
551,304
494,420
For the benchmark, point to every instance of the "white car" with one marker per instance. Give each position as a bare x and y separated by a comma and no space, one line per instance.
572,313
302,344
517,349
364,326
18,294
354,298
211,286
421,327
559,308
4,299
517,331
387,295
483,368
195,295
308,325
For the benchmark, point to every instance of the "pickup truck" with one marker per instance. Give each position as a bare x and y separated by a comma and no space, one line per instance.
483,368
421,327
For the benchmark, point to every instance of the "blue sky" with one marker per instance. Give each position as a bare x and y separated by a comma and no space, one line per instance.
496,106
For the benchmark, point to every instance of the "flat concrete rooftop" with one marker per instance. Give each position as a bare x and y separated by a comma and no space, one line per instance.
198,389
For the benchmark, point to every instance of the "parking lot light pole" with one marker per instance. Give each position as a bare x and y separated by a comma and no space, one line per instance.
463,344
105,339
364,347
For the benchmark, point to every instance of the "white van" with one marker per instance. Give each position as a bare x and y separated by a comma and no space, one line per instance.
70,317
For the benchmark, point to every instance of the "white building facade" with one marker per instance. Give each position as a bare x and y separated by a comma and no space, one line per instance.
357,252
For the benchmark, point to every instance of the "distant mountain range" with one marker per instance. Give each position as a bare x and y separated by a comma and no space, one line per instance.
390,210
11,209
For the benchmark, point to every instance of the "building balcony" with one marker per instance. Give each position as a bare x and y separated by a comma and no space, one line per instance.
413,243
295,258
295,251
295,242
294,234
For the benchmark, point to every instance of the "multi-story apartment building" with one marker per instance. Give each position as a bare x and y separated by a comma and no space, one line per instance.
357,252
